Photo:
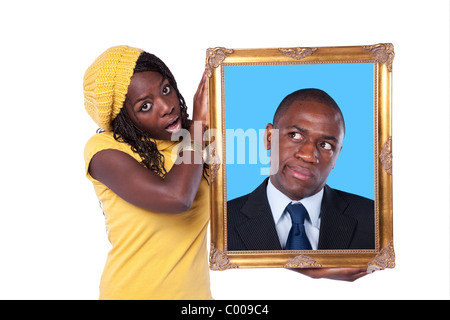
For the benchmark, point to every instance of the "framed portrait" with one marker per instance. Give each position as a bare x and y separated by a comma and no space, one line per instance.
246,87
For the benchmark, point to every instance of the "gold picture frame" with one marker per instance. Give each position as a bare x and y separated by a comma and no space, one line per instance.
380,56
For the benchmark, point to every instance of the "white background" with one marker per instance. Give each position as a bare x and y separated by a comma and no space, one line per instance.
52,235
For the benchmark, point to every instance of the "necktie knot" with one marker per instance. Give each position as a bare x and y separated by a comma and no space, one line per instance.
297,212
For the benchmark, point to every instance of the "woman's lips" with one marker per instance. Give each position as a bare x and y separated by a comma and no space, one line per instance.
174,125
299,172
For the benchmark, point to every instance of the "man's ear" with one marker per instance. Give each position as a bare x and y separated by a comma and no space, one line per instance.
268,136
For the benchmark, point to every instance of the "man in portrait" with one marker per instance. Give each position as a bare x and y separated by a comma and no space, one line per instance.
294,208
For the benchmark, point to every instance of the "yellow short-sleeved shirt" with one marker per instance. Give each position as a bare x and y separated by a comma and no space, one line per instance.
154,255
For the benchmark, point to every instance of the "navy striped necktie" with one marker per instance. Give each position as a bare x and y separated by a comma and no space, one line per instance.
297,239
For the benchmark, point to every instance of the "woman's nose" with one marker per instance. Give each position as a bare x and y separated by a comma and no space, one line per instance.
165,108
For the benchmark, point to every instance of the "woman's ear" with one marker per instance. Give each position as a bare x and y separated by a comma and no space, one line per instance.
268,136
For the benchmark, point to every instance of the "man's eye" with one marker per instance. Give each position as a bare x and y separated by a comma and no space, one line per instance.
326,145
146,107
295,135
166,90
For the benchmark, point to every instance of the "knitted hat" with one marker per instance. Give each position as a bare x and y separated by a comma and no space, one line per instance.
106,84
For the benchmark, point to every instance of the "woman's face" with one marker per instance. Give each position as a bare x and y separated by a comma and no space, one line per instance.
153,105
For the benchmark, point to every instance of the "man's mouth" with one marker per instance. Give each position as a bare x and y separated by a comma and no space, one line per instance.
174,125
299,172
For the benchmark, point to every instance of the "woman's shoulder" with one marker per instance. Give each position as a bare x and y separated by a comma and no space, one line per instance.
103,138
102,141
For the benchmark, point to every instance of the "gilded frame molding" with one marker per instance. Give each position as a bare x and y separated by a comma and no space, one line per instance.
383,256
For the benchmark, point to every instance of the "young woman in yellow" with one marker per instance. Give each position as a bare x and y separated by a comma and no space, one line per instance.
156,211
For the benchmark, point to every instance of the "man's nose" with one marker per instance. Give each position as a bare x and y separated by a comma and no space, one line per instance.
308,152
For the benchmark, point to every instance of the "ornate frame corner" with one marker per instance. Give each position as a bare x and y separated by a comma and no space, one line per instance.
383,53
218,260
215,57
384,259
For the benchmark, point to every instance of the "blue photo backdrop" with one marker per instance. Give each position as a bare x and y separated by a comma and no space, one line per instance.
252,94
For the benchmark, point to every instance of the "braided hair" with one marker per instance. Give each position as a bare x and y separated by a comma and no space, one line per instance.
126,131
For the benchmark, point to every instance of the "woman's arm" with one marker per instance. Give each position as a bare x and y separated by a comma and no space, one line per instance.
131,181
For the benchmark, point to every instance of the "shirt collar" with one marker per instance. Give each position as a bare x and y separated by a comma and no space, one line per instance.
278,202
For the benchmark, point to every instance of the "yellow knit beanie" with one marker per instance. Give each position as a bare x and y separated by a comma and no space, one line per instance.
106,83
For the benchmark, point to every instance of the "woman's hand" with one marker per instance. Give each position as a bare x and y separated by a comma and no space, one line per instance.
344,274
200,110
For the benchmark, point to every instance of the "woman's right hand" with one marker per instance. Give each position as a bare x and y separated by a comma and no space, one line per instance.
200,110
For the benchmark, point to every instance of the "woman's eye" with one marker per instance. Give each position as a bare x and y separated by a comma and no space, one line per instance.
166,90
146,107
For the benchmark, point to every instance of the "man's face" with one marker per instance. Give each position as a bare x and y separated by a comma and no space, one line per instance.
310,140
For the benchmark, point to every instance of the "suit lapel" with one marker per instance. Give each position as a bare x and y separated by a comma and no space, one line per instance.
336,229
259,232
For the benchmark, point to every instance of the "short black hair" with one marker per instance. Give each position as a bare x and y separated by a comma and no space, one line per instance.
309,94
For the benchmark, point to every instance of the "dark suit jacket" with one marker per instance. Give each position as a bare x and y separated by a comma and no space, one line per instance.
347,222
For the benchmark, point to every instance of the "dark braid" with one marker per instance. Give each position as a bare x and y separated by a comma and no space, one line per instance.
126,131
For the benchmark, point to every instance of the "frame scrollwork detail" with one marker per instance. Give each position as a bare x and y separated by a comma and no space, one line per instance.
297,53
302,261
384,259
215,57
218,260
214,163
383,53
386,156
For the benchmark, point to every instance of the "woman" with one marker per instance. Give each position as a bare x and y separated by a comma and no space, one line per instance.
156,211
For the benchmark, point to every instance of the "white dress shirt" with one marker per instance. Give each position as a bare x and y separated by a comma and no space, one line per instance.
278,202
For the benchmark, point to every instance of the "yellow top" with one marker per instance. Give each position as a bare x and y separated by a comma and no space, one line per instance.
154,255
